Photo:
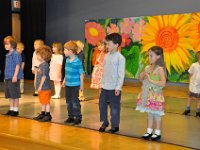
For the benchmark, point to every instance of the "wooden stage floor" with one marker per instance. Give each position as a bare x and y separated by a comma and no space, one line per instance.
177,130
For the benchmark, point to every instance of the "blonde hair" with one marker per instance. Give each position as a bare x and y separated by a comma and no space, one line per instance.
41,42
59,47
11,40
80,45
21,45
71,45
45,52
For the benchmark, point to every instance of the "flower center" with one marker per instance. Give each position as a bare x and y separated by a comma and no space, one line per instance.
167,38
93,32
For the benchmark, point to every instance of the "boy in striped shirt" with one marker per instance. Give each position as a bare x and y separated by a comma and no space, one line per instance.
73,81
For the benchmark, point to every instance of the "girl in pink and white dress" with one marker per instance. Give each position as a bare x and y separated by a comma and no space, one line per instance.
56,68
98,67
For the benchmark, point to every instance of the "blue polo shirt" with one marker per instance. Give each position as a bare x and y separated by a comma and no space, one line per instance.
12,59
73,70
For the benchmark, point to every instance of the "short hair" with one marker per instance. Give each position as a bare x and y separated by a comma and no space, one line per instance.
59,46
45,52
115,38
71,45
11,40
198,55
80,45
20,44
39,41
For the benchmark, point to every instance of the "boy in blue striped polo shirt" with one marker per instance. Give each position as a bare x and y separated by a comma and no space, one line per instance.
73,81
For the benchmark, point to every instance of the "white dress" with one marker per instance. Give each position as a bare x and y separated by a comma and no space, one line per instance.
56,67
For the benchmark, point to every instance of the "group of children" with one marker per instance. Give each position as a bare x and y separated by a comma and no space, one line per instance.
108,76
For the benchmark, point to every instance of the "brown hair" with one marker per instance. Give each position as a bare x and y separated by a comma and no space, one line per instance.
39,41
159,51
10,40
20,44
198,55
59,46
71,45
45,52
102,43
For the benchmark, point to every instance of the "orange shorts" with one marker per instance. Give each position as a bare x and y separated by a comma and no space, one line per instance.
44,96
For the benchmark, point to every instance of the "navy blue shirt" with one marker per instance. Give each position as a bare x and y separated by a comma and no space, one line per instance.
43,70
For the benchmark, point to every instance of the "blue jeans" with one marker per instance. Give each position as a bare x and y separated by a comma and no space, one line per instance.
105,97
73,103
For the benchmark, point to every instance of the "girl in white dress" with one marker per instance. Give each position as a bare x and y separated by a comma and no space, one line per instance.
56,68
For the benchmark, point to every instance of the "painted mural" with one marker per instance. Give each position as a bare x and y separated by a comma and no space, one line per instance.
177,34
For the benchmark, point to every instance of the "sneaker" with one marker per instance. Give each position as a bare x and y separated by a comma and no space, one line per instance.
9,112
77,121
15,113
46,118
55,97
69,120
114,130
35,94
103,127
40,116
186,112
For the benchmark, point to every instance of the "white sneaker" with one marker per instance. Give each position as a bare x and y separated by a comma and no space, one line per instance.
55,97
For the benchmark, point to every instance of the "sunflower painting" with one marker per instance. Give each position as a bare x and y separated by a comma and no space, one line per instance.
178,35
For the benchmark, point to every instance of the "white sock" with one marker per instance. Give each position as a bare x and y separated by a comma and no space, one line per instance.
15,109
149,131
57,89
12,108
157,132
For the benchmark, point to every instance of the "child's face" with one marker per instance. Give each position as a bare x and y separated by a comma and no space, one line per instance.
153,57
8,46
55,49
101,47
37,45
111,46
67,52
19,49
39,57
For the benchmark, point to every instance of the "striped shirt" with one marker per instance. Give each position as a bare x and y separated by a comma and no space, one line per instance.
73,70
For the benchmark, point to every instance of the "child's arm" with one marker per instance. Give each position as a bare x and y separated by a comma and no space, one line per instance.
162,81
142,75
14,78
23,64
63,83
121,74
41,83
33,62
82,82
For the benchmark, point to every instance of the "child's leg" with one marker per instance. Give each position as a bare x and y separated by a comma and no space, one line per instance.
22,86
115,108
187,110
103,107
69,103
198,108
16,104
47,108
150,126
11,104
157,132
57,86
76,103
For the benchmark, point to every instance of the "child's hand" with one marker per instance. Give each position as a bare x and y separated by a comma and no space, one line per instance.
117,92
148,77
81,88
14,79
63,83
